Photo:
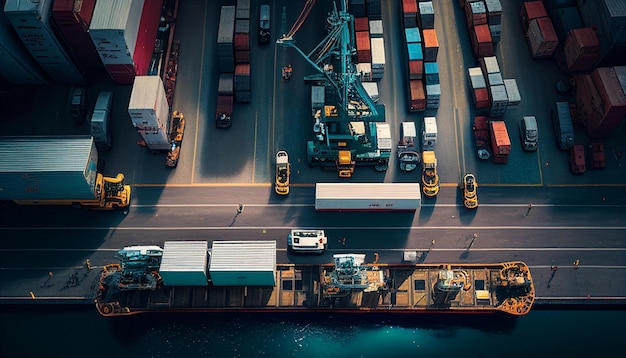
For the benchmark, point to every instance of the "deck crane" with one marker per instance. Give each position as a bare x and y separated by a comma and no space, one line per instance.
349,126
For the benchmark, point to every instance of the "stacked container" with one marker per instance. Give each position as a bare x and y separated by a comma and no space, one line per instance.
494,19
433,88
226,85
431,44
361,24
71,18
542,39
242,83
480,93
376,28
601,99
581,49
499,100
378,58
500,142
31,21
363,47
242,11
414,41
374,10
225,40
476,14
531,10
512,92
426,15
242,32
417,97
149,111
409,13
358,8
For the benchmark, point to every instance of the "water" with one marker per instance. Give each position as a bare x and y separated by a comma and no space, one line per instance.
82,333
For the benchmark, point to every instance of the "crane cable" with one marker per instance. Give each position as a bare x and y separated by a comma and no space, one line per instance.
301,18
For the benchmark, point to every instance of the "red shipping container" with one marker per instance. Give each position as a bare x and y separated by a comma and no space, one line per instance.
532,10
146,36
361,24
409,6
242,42
613,98
581,49
242,56
416,69
72,18
500,141
542,39
121,74
363,47
481,41
417,97
481,98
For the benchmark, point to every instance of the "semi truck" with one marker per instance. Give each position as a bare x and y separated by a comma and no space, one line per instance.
367,196
430,178
408,155
224,112
60,170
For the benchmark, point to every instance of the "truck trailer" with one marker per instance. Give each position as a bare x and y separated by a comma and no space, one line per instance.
367,196
61,170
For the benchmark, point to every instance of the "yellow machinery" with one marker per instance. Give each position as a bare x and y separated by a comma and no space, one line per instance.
430,178
176,139
470,198
345,164
283,171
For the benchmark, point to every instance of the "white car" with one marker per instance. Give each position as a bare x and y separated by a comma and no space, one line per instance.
307,241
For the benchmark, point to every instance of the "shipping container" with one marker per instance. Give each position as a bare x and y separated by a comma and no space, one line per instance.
412,34
431,72
496,33
542,39
357,8
409,11
613,103
243,263
489,64
363,47
477,80
500,141
365,71
383,136
431,45
156,139
426,15
417,96
512,92
33,26
48,168
184,263
242,77
361,24
367,196
416,69
376,28
17,66
532,10
242,10
148,107
414,51
372,90
374,9
499,100
242,26
318,97
71,19
433,92
476,14
226,39
609,17
481,41
581,49
146,36
378,58
481,98
494,12
226,84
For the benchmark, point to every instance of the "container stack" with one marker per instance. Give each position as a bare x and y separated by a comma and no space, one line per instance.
376,28
601,99
242,32
242,83
500,142
358,8
374,10
512,92
477,24
494,19
409,13
31,20
433,88
363,47
378,58
580,50
426,15
497,91
540,34
72,23
414,45
225,40
149,112
480,93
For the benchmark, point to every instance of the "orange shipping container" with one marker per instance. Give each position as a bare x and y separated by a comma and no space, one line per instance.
363,49
361,24
431,44
416,69
417,97
542,38
500,141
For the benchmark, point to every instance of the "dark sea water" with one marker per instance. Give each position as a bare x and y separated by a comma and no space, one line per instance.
71,332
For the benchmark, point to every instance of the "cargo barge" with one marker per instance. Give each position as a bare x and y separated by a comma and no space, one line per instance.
242,276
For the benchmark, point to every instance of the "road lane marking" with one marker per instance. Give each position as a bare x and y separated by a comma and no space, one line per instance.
386,228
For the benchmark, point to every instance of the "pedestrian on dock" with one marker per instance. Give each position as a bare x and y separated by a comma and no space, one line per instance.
576,264
343,241
553,268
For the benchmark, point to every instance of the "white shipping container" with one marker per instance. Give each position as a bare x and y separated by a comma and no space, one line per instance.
157,139
148,107
184,263
113,29
377,46
512,92
365,70
318,97
476,78
499,100
372,90
367,196
243,263
376,28
383,136
489,64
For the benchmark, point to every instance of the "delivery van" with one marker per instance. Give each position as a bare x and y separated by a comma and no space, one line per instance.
529,133
307,241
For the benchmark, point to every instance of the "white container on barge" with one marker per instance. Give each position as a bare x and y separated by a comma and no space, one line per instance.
367,196
243,263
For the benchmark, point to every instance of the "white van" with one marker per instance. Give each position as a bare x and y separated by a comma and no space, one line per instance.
529,133
313,241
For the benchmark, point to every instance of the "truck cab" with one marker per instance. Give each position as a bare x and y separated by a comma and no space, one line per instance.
529,133
307,241
430,178
101,121
264,24
283,172
345,164
408,155
429,133
577,159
